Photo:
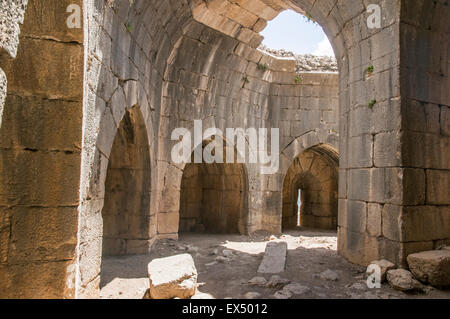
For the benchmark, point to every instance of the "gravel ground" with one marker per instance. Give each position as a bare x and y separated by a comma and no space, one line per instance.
310,253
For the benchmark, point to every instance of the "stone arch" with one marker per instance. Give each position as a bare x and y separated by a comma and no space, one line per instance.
214,197
226,176
126,209
312,179
121,163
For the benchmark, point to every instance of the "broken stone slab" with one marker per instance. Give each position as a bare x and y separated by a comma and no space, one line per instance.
297,289
277,282
257,281
329,275
357,286
403,280
431,267
252,295
385,266
283,294
227,253
222,259
274,260
172,277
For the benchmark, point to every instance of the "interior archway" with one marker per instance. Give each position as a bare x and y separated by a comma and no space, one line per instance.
126,211
213,197
310,190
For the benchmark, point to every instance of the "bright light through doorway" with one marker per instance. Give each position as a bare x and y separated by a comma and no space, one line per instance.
299,205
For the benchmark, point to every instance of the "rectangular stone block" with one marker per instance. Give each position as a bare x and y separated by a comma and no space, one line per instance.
168,223
40,234
32,177
438,187
57,70
274,260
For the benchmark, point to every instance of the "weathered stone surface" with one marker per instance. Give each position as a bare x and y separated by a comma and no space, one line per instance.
283,294
252,295
296,289
11,17
307,62
274,260
403,280
172,277
431,267
277,282
3,87
329,275
257,281
385,266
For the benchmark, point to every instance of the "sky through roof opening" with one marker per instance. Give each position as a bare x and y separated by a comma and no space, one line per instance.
293,32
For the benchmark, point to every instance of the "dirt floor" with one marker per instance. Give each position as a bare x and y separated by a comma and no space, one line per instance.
225,264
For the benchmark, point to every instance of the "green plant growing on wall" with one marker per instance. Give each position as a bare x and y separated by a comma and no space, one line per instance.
372,103
370,69
129,27
246,81
263,67
309,18
298,79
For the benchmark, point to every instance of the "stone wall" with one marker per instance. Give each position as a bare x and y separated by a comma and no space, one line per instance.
425,132
40,151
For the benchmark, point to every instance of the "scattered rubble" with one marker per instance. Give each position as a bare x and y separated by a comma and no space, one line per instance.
257,281
385,266
306,62
403,280
307,261
277,282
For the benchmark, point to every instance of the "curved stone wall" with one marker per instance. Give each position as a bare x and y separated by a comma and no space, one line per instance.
158,56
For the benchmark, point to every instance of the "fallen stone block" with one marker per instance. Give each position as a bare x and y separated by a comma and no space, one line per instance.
403,280
172,277
431,267
385,266
274,260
